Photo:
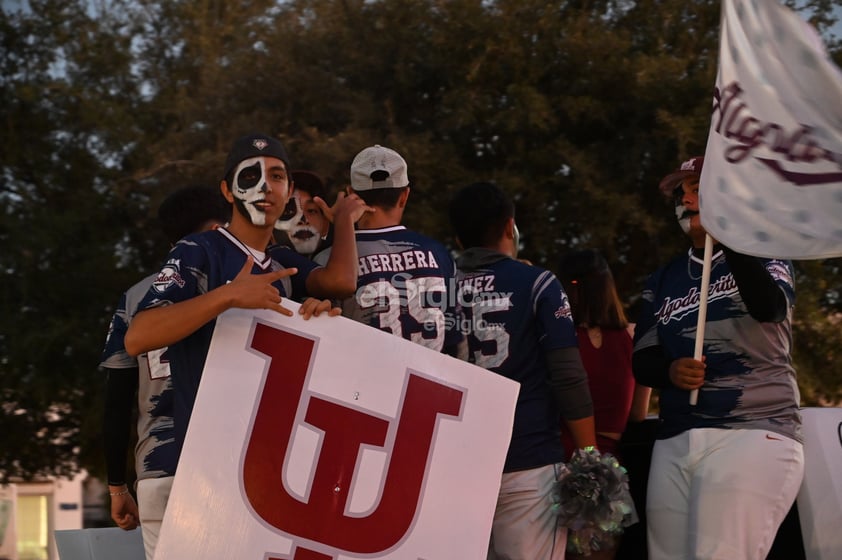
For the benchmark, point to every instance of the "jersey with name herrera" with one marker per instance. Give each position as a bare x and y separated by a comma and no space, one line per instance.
196,265
405,285
749,378
514,314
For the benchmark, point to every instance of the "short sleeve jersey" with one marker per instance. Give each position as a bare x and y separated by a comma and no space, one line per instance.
288,258
405,285
196,265
155,453
749,378
513,314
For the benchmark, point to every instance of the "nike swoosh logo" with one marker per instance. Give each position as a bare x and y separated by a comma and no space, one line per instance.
773,438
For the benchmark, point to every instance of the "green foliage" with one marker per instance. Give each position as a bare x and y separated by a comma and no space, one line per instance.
576,108
64,115
817,334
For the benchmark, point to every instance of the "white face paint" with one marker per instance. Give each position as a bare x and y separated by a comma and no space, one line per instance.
685,196
249,188
305,239
291,216
683,217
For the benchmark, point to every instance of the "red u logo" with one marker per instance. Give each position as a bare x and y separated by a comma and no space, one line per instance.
322,518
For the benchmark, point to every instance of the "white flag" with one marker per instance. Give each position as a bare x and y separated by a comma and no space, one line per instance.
772,180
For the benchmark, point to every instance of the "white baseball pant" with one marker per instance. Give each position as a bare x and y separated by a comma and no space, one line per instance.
719,494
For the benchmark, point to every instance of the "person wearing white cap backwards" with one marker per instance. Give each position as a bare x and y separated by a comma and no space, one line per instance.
406,281
726,470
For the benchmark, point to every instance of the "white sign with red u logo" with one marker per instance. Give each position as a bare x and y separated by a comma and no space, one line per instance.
328,439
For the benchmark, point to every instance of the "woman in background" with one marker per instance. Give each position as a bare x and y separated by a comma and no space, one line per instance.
605,345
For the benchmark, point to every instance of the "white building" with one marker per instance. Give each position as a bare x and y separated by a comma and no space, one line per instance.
31,512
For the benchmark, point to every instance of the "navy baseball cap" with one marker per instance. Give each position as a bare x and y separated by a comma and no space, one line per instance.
692,166
254,145
309,182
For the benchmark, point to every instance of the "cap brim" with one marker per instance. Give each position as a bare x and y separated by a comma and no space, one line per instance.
670,182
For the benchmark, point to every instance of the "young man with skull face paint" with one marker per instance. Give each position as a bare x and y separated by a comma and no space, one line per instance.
726,470
309,230
207,273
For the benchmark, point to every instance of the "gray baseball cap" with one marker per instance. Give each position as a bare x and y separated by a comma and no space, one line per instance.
378,167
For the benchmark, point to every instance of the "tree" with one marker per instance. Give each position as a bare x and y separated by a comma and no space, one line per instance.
577,108
66,101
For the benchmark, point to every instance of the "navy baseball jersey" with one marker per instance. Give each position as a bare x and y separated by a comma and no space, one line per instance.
749,378
513,314
196,265
287,257
405,286
155,452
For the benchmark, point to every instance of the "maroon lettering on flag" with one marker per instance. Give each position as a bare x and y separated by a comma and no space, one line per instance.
733,119
772,179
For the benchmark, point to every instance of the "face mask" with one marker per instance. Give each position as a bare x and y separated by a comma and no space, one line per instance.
305,239
249,187
516,241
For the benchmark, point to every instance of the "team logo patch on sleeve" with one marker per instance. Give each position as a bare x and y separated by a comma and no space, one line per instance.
170,275
564,311
779,271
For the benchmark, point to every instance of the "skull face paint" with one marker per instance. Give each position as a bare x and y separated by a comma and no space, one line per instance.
251,185
683,216
291,215
305,239
683,195
310,226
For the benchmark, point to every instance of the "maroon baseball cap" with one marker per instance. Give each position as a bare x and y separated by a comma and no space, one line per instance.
692,166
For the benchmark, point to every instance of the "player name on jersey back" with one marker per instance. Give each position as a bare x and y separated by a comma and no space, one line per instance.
397,262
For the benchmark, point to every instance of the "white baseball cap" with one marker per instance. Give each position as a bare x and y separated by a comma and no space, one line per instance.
377,167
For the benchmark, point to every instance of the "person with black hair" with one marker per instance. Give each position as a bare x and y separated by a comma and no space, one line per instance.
145,382
518,324
312,230
192,209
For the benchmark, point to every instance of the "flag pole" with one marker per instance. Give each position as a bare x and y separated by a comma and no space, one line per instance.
703,308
